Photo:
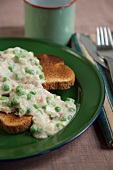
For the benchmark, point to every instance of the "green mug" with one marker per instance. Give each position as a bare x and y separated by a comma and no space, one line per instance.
50,20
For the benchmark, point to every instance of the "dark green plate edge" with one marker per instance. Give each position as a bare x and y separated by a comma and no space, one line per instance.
93,117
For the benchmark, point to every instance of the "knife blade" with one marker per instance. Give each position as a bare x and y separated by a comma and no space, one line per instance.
89,45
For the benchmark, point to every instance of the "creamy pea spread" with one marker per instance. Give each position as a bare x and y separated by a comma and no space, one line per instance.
22,93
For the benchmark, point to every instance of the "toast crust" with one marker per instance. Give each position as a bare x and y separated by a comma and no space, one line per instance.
14,124
47,59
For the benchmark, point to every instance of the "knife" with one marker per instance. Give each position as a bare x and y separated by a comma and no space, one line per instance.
89,45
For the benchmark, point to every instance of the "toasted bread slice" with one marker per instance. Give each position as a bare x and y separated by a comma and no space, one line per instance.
57,74
14,124
46,59
58,77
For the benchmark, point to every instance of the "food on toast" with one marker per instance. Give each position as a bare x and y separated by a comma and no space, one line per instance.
24,103
57,74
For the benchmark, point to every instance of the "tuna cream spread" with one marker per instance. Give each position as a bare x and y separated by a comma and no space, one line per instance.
22,93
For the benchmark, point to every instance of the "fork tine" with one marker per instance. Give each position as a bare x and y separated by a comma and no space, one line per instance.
110,37
98,37
106,37
102,36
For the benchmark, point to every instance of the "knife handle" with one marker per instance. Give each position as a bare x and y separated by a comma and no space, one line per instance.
110,65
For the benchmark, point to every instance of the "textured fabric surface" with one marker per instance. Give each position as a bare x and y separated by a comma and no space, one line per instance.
88,151
106,115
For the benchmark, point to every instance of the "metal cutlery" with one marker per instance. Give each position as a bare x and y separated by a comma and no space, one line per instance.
105,47
91,47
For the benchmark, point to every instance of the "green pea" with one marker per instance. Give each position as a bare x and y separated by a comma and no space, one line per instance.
15,52
55,95
5,78
53,104
21,93
71,110
6,87
63,118
11,68
9,104
33,129
3,98
40,67
23,50
44,107
48,99
58,109
23,56
17,57
41,76
29,110
40,111
69,117
70,99
19,89
29,96
28,70
33,92
18,76
36,63
58,125
32,72
21,110
40,130
35,106
15,101
1,59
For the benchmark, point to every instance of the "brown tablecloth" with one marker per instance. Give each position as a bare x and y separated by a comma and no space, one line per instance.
88,151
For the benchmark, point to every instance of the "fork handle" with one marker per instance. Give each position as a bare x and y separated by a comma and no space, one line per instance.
110,65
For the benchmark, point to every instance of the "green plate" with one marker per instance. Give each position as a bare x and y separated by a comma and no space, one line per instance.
88,93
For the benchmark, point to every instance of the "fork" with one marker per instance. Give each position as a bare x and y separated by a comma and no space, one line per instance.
105,47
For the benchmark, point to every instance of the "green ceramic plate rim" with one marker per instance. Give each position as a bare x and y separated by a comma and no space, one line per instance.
84,127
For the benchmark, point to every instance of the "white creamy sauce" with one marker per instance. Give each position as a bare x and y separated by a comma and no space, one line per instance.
22,93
